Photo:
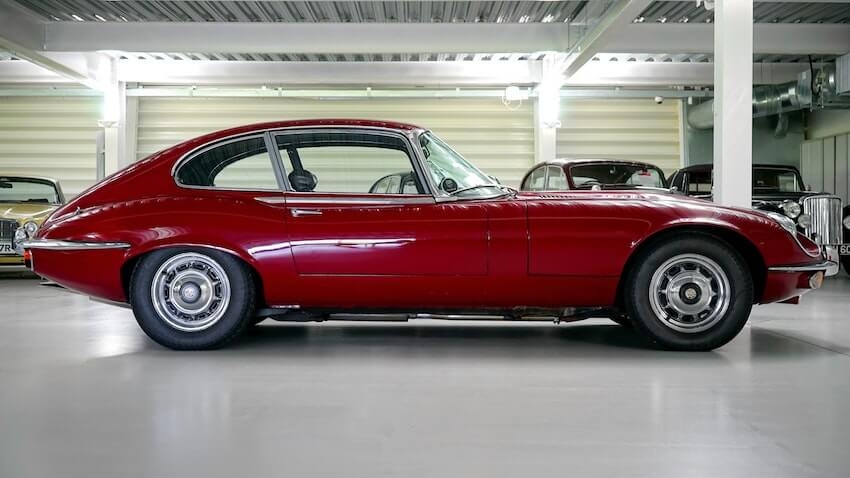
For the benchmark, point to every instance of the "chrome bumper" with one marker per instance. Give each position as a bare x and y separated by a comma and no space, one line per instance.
832,256
829,265
822,266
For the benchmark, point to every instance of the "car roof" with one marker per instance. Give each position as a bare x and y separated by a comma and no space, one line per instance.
708,166
323,122
564,161
26,178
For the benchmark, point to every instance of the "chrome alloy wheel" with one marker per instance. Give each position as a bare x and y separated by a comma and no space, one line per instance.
190,292
689,293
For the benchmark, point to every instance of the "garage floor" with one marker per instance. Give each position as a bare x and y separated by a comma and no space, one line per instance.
84,394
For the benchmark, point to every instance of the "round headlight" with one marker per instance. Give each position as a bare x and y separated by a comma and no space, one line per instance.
20,235
791,209
805,221
31,228
784,221
847,222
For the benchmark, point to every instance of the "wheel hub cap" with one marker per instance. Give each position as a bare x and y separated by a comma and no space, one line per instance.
190,292
689,293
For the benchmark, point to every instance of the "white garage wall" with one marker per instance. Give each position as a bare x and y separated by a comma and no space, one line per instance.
633,129
53,137
825,165
497,139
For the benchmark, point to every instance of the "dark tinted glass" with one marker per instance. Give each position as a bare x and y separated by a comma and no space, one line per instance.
242,164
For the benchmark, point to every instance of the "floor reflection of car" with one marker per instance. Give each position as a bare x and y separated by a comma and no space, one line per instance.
25,202
577,174
780,189
285,220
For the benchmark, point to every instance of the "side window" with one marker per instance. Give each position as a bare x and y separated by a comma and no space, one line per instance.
557,180
240,164
346,162
534,182
409,186
699,182
380,186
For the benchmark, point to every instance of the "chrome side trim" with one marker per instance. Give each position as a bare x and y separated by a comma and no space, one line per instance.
54,245
330,201
817,267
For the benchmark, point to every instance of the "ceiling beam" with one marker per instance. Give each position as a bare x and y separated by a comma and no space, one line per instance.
431,74
616,17
366,38
22,35
768,38
236,37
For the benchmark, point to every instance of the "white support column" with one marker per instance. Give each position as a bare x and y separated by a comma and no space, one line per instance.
733,111
130,127
113,115
547,107
545,137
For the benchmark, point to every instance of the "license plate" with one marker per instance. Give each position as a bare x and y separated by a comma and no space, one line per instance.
7,250
844,250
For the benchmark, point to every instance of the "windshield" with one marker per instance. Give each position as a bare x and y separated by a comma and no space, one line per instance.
776,180
17,190
586,176
454,175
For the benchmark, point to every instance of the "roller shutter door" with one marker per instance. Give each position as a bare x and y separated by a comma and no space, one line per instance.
53,137
633,129
497,139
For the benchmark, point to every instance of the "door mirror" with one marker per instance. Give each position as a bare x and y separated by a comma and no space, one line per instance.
448,185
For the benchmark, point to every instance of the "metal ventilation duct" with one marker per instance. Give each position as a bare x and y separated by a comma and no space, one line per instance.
842,75
768,100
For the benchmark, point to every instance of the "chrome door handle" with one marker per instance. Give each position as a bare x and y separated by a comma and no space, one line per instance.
305,212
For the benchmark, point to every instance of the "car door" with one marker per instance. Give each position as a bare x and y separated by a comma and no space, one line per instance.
344,237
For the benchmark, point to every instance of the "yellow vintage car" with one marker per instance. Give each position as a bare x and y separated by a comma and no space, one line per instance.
25,202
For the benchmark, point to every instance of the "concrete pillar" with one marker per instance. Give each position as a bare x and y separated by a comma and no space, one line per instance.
733,97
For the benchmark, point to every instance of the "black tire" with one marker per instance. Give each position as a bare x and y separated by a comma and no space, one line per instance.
622,320
236,315
727,323
845,261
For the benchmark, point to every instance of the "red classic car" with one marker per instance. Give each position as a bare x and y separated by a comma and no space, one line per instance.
277,220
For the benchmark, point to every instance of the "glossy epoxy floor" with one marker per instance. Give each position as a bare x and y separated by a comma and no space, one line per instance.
84,394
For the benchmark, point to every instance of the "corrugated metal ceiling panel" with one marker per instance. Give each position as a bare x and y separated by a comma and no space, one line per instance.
276,11
408,11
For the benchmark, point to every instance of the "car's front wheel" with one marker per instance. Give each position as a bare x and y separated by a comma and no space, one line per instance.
692,293
191,299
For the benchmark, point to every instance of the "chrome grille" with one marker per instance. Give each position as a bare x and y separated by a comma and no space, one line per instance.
7,230
825,211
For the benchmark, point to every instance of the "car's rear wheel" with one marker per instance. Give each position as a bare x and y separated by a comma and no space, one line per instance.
192,299
692,293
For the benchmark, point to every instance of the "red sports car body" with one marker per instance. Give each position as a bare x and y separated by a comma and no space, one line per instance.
204,238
